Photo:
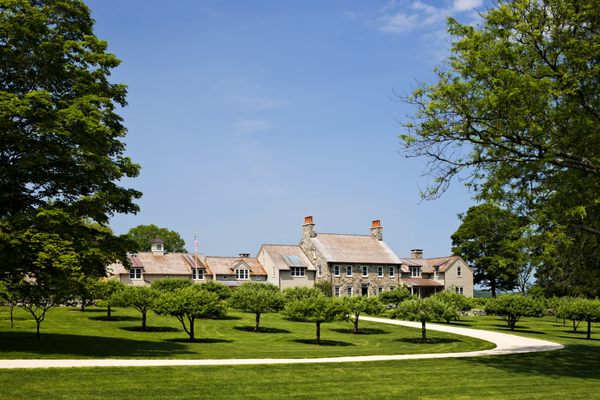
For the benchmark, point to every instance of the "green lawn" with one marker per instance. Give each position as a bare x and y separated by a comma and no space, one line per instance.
70,333
570,373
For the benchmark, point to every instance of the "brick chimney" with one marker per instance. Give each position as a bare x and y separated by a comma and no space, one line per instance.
308,229
377,229
416,253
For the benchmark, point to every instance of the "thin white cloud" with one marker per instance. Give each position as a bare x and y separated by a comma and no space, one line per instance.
466,5
248,126
399,22
253,103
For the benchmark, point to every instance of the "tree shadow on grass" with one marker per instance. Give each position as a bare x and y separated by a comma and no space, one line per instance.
53,345
428,340
518,328
362,331
225,318
582,337
199,340
150,329
114,318
262,329
323,342
577,360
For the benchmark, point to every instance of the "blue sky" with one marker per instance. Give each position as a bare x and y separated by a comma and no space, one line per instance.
248,115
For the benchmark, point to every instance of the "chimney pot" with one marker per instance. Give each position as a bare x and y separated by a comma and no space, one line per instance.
308,220
377,229
376,223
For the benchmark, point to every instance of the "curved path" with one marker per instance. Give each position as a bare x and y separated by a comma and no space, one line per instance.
505,344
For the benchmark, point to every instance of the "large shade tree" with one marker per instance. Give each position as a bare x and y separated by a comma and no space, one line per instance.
61,149
490,241
143,235
515,112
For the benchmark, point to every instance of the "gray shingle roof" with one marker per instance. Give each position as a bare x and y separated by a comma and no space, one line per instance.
277,253
354,249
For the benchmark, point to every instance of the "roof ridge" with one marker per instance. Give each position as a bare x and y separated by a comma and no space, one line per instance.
279,244
342,234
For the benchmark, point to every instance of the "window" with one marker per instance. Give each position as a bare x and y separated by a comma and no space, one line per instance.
319,271
241,273
392,271
159,246
380,271
336,270
348,270
460,290
337,291
349,290
436,272
458,271
415,272
392,287
197,273
380,289
135,273
365,271
297,271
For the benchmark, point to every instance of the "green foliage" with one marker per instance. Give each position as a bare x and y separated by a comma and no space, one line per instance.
106,292
514,111
396,296
315,307
489,240
188,304
299,293
453,303
421,310
141,298
325,287
143,235
222,291
257,298
62,154
512,307
579,310
170,284
356,305
8,298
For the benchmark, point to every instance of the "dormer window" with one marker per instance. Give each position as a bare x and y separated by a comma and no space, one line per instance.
436,272
415,272
197,273
135,273
242,274
297,271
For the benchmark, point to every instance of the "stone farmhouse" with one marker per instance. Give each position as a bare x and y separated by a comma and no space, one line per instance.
353,264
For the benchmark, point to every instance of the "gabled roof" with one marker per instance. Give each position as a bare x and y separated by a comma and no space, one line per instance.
227,265
354,249
159,264
284,255
428,264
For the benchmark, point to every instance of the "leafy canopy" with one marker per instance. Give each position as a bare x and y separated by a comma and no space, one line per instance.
143,235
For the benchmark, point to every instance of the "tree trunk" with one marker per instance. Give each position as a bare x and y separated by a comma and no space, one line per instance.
12,325
144,320
318,333
589,330
37,333
83,305
575,325
423,332
493,290
257,326
192,337
355,325
108,313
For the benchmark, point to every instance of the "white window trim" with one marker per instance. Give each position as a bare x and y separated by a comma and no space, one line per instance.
380,272
337,270
246,274
336,291
135,273
349,270
460,290
418,274
297,272
196,272
349,291
392,271
365,268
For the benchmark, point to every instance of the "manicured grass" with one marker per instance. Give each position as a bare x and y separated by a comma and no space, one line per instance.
70,333
570,373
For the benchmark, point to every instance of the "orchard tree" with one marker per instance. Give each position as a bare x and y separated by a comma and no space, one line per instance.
257,298
315,307
489,240
512,307
453,304
141,298
143,235
356,305
420,310
514,112
188,304
396,296
107,290
61,149
9,298
579,310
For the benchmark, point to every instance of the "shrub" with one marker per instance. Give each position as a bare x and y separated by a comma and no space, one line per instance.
512,307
